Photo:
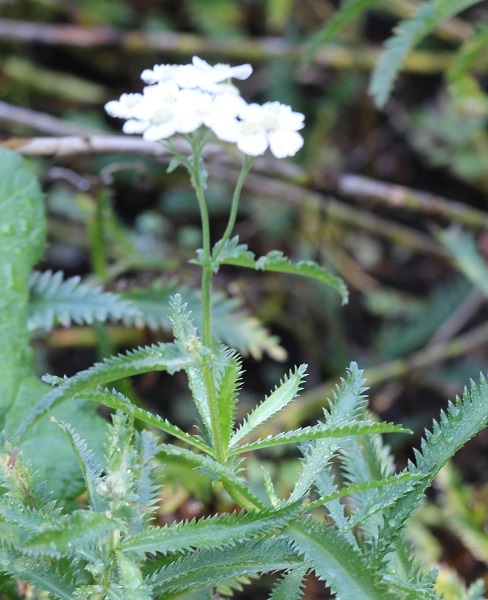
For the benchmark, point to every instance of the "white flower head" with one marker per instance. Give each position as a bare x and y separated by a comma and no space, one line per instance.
164,110
160,73
182,98
124,107
272,125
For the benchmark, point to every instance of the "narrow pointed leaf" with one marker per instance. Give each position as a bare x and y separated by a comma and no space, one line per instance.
319,432
276,401
214,532
159,357
90,469
116,400
212,468
209,567
347,572
81,528
291,586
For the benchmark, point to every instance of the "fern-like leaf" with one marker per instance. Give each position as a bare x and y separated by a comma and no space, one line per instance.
238,255
410,33
346,570
349,10
276,401
159,357
214,532
58,301
230,323
43,577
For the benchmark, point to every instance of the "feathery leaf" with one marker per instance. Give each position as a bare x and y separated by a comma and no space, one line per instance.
408,34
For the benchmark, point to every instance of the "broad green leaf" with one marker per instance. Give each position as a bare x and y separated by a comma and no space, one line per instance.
58,301
408,34
276,401
347,571
209,567
237,254
22,241
320,432
159,357
213,532
81,528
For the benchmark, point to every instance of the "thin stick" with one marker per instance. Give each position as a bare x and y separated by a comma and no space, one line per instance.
255,50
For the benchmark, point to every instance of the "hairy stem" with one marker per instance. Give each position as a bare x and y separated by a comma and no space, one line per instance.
196,169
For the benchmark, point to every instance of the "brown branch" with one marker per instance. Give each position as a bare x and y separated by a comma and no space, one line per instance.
399,196
255,50
290,182
311,402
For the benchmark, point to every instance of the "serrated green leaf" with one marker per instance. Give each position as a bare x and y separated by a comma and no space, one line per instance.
348,405
116,400
238,255
406,480
227,393
291,586
319,432
347,572
463,420
43,577
80,529
211,468
90,469
282,395
408,34
159,357
230,323
58,301
213,532
208,567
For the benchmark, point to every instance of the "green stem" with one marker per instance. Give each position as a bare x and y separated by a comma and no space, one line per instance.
195,169
246,166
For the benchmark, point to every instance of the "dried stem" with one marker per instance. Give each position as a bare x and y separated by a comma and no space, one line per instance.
254,50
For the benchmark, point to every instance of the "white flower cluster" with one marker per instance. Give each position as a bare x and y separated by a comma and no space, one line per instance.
182,98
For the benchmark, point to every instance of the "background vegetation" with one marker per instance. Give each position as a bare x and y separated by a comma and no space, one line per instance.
394,199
